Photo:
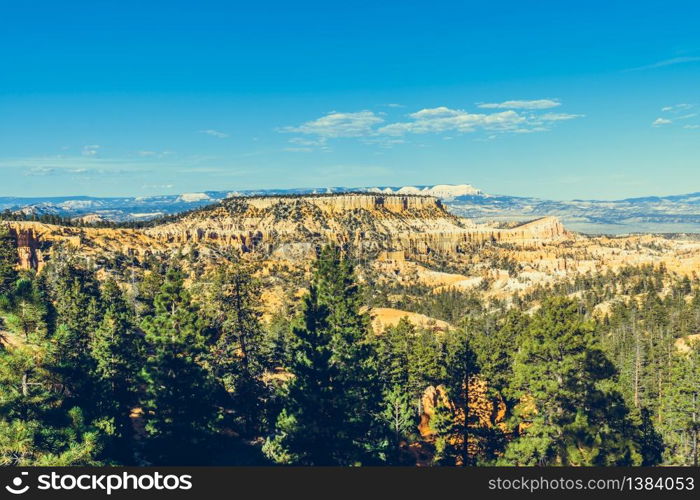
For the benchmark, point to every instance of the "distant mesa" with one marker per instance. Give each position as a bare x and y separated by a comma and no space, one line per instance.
679,214
445,192
194,197
415,224
89,219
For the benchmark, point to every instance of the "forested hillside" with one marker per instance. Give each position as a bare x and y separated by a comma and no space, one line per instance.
176,362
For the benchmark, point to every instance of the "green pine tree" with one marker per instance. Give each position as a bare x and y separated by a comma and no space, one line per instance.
8,259
27,316
39,425
331,413
570,411
180,402
680,409
116,348
231,302
399,416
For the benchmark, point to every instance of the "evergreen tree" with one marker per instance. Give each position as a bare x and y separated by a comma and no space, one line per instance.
39,425
680,409
331,413
232,297
27,315
426,363
495,347
75,296
462,435
180,401
116,349
8,259
399,416
394,348
569,411
650,440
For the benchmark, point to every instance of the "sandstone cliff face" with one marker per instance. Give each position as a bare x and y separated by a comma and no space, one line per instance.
414,224
343,203
405,239
36,241
291,227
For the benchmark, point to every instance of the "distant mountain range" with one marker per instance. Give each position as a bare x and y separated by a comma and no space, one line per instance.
655,214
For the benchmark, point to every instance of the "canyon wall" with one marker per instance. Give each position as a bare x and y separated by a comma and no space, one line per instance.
341,203
415,225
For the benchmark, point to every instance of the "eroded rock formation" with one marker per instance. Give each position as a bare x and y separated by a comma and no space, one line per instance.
413,224
393,229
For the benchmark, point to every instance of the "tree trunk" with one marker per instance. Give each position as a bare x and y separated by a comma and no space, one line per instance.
25,384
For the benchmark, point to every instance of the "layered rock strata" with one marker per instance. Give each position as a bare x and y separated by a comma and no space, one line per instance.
294,226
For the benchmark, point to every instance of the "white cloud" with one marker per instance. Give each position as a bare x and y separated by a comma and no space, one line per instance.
84,166
154,154
39,171
520,104
443,119
676,113
299,150
439,111
384,141
692,127
91,150
334,125
556,117
214,133
304,141
373,129
661,121
677,107
668,62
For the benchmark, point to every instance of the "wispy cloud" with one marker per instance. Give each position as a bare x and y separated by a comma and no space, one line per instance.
661,121
91,150
298,149
154,154
214,133
76,172
677,113
39,171
334,125
305,141
372,128
521,104
675,108
443,119
668,62
91,166
557,117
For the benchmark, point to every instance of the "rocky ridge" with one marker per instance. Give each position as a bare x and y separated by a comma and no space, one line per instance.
371,222
293,225
402,240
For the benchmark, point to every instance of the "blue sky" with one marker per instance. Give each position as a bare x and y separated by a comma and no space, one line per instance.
551,99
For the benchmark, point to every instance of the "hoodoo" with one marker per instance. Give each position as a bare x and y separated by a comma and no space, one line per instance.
414,224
